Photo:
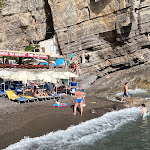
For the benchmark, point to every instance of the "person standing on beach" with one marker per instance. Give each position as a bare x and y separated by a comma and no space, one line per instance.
144,111
79,97
126,92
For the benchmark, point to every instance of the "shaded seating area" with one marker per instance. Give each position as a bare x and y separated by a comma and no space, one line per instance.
12,96
25,86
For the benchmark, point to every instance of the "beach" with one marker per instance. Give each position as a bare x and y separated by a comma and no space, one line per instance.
35,119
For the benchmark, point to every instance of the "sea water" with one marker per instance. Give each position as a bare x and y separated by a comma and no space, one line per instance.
137,93
117,130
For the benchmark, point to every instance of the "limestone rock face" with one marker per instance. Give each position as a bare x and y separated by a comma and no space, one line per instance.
114,34
24,21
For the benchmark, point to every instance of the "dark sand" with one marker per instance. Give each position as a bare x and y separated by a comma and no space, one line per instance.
38,118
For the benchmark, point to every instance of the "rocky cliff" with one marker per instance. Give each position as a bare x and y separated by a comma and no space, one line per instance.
114,34
23,22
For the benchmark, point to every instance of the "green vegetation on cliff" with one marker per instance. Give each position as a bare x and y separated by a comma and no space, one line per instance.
29,48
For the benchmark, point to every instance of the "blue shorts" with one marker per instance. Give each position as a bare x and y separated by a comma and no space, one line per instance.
79,100
126,94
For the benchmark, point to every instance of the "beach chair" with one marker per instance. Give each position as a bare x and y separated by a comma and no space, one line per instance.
3,93
12,96
72,92
57,96
30,98
41,97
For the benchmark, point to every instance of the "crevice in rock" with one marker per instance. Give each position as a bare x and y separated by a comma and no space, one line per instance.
49,21
89,12
145,46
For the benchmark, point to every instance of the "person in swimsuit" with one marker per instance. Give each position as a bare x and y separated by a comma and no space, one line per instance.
144,111
79,97
37,93
126,92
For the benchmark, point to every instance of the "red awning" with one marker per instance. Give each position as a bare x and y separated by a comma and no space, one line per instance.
23,54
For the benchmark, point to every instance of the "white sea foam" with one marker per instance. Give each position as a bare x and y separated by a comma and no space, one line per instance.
133,91
80,135
147,98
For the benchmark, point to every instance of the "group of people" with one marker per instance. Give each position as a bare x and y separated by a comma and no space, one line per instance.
79,99
126,93
45,90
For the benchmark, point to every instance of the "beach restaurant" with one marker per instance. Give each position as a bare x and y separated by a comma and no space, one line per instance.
23,54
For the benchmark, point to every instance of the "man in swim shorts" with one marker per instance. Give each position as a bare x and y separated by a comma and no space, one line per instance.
79,97
126,92
144,111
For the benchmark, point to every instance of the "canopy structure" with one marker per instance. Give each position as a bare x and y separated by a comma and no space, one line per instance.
23,54
23,76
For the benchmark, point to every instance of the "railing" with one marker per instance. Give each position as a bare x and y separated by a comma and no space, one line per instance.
24,66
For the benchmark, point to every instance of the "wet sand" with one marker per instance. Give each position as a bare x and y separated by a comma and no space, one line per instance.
39,118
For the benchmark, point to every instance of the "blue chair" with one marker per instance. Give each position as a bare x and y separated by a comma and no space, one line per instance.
6,86
73,83
60,61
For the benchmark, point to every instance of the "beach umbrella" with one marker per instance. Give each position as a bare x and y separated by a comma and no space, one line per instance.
46,77
4,74
23,76
59,75
48,72
70,74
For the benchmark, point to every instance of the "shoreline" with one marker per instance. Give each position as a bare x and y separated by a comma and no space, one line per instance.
39,118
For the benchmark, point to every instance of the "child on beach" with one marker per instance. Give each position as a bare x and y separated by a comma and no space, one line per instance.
144,111
58,102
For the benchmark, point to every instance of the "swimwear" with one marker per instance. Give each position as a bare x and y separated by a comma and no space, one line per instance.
79,100
126,94
144,115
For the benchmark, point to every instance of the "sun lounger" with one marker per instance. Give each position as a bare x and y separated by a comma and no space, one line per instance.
41,97
12,96
30,98
2,93
57,96
44,97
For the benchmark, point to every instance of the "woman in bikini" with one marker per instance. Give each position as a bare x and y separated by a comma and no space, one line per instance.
79,97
